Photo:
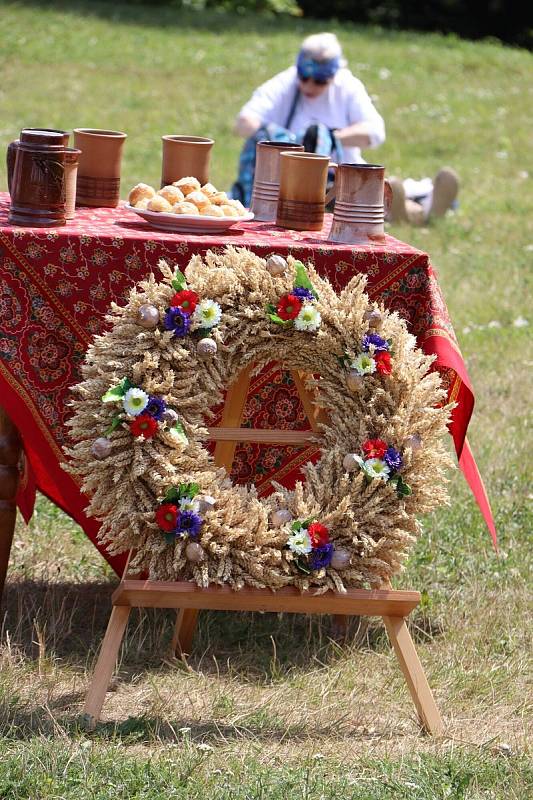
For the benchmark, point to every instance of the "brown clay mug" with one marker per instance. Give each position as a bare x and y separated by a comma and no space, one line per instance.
72,157
265,192
363,199
302,190
184,157
62,137
98,181
37,182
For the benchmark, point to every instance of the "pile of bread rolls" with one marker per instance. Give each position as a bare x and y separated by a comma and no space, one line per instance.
185,196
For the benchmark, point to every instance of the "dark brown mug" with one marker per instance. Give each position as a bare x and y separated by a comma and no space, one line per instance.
38,179
12,146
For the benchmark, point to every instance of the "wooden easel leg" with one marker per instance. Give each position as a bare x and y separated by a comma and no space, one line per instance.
10,448
414,675
223,456
184,632
106,663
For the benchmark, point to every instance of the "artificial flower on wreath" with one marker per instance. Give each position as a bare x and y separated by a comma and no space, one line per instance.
297,307
374,356
144,413
311,545
187,313
178,515
381,461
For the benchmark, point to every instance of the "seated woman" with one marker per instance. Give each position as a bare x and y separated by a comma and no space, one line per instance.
317,102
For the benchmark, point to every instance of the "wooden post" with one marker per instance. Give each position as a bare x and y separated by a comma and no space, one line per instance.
10,450
105,664
235,401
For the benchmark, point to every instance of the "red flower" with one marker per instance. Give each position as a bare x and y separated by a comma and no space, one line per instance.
185,300
144,425
167,517
319,534
289,306
374,448
383,364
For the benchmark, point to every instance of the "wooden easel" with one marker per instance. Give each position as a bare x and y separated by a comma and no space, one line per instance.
393,606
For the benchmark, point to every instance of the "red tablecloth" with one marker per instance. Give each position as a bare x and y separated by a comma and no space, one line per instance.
57,284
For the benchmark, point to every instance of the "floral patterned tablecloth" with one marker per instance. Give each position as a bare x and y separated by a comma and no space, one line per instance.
56,285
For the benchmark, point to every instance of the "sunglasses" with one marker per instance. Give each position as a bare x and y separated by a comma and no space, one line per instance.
318,81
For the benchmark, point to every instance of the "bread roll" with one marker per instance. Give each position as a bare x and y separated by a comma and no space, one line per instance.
172,194
209,189
184,208
187,185
228,211
219,199
199,199
143,203
238,205
140,191
158,203
211,211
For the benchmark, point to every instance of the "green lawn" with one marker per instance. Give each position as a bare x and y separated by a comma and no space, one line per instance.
270,706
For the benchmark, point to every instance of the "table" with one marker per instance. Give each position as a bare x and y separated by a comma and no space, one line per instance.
56,285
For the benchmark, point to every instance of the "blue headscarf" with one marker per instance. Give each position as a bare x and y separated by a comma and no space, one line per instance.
307,67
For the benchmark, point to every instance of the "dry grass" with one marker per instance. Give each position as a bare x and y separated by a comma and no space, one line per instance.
271,685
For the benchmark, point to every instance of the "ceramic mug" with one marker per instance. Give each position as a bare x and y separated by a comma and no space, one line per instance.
37,178
98,181
265,190
72,158
363,199
184,157
302,190
57,135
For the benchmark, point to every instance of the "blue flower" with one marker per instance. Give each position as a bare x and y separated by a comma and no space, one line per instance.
156,407
176,320
380,344
393,459
321,556
303,293
190,523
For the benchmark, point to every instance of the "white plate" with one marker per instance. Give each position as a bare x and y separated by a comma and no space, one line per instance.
188,223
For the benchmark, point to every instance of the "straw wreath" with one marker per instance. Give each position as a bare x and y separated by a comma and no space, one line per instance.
141,411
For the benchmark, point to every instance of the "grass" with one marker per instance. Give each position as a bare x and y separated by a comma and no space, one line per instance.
270,706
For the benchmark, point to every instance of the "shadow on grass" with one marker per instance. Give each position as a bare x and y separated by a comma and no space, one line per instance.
151,15
66,621
146,729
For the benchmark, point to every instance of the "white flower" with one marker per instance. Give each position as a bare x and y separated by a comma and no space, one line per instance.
364,364
308,319
135,401
189,504
376,468
300,542
360,461
207,314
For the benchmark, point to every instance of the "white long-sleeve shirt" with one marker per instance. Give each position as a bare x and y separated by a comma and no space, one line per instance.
344,102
